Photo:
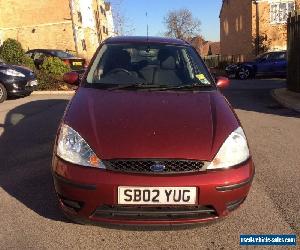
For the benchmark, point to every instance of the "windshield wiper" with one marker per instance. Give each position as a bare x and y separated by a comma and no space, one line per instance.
125,86
136,85
158,87
187,86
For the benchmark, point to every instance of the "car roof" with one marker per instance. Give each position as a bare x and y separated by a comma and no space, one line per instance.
45,50
277,51
144,39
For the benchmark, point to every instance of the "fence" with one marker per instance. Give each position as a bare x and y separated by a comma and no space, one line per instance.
217,61
293,78
212,61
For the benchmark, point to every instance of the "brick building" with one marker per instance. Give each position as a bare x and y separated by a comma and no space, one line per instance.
205,48
248,27
74,25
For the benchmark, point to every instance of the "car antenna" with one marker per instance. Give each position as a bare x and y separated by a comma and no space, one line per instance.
148,45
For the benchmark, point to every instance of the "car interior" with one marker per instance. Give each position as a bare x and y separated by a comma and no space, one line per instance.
155,66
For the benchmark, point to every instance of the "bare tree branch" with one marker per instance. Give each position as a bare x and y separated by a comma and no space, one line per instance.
181,24
123,25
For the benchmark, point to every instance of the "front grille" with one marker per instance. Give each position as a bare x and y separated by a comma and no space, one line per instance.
154,166
155,213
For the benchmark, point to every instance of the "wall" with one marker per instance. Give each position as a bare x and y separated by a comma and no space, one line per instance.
37,24
275,33
110,21
236,30
89,17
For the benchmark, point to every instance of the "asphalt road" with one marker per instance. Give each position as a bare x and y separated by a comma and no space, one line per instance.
29,217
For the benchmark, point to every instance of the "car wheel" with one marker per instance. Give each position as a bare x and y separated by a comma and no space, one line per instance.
243,73
3,93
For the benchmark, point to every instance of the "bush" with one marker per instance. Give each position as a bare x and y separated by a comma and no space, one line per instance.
27,62
54,66
12,52
50,75
50,82
222,65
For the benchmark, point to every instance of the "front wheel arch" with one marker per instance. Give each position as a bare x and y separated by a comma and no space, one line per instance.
3,93
245,72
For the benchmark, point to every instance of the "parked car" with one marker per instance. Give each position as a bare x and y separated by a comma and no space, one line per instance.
15,81
149,139
268,64
39,55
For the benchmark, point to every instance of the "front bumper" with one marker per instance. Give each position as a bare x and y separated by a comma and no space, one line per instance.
91,195
17,86
231,72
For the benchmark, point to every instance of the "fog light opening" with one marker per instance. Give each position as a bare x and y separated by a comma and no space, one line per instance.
76,205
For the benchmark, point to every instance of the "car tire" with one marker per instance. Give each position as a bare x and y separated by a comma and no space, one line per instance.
244,73
3,93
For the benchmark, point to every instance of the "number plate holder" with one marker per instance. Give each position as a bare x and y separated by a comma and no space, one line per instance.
157,195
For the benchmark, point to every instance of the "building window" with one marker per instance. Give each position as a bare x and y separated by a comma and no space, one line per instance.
279,11
103,11
104,29
79,16
83,44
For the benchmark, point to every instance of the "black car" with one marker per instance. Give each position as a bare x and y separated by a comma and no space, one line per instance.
15,81
39,55
272,64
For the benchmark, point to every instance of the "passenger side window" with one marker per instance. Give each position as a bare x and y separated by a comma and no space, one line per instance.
37,56
281,56
277,56
31,55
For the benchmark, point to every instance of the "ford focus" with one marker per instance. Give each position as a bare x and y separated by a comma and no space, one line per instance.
148,138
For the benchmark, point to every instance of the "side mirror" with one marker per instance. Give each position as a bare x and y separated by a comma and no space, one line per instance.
71,78
222,82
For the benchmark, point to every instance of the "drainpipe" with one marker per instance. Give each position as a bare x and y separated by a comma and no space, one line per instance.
257,42
74,26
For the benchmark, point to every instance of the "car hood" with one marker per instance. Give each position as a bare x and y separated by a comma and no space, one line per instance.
26,71
151,124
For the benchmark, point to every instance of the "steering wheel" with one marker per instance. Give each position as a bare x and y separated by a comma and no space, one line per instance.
119,70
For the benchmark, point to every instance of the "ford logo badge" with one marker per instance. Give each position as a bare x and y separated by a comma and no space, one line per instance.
157,168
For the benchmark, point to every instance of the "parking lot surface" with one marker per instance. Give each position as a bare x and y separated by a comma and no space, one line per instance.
30,218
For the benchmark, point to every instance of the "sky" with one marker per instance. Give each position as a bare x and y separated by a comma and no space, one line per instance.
207,11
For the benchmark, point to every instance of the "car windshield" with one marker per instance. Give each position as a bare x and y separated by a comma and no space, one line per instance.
61,54
262,57
148,65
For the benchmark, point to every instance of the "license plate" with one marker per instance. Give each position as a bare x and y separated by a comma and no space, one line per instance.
157,195
77,63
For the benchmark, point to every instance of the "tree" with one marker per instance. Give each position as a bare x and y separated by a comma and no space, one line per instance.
261,44
181,24
12,52
122,24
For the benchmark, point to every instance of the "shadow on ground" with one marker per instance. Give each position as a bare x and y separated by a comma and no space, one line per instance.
255,95
25,155
30,129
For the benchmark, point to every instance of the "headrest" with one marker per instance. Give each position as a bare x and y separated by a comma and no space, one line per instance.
164,53
168,63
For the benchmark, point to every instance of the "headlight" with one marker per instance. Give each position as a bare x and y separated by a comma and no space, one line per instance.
11,72
233,151
73,148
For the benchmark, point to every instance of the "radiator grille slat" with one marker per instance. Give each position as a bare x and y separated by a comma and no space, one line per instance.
150,166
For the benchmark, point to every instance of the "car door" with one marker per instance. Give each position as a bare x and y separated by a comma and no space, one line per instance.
279,64
263,64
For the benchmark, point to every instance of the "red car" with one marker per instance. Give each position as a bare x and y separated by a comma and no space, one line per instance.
149,139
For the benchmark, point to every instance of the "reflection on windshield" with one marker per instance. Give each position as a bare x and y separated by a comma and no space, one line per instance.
159,65
62,54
